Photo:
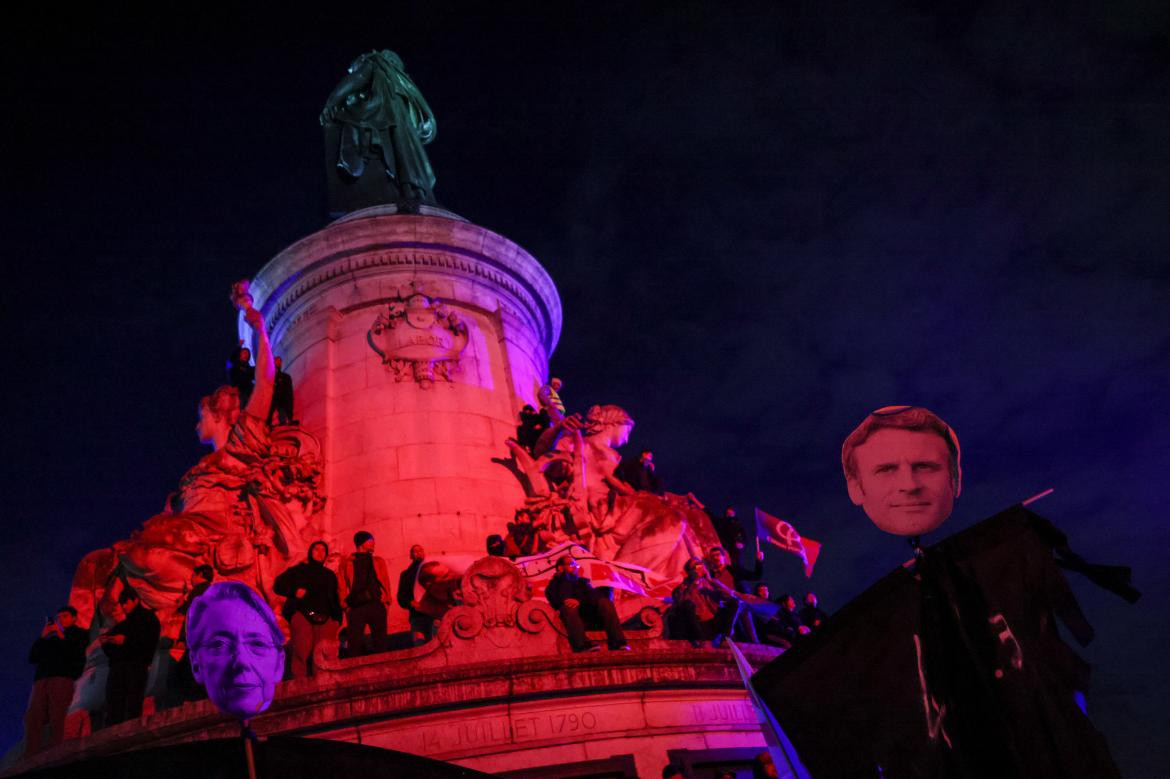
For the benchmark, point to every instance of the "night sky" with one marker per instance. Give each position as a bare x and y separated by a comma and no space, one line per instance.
764,220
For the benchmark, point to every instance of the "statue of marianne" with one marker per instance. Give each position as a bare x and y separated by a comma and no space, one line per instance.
378,119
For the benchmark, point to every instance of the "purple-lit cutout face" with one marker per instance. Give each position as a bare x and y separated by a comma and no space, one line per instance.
235,659
903,481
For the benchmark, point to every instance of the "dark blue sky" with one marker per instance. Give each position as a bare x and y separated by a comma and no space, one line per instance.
764,220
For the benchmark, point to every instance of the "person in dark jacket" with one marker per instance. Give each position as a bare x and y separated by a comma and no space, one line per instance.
312,606
579,605
640,473
59,655
129,646
242,374
282,396
421,624
811,614
769,629
704,608
365,590
730,532
532,425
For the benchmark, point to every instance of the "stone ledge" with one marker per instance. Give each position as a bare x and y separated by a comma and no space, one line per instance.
384,690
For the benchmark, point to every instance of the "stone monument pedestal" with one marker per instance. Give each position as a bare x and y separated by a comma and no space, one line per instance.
412,412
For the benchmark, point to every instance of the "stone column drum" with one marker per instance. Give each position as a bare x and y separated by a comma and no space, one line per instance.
408,447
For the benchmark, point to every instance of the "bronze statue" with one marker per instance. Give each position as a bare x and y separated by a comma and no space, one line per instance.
377,121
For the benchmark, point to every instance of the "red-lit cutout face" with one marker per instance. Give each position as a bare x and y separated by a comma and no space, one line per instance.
903,481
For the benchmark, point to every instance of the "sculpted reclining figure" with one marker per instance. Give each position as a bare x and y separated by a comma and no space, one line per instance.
245,508
573,494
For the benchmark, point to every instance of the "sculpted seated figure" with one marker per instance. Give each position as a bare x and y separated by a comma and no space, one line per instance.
244,508
575,495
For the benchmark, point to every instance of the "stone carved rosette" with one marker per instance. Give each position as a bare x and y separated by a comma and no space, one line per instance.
418,337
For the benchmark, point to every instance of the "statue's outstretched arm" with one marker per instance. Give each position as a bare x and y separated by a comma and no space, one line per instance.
261,400
350,85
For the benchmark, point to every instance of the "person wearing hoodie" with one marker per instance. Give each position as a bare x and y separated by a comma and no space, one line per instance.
312,608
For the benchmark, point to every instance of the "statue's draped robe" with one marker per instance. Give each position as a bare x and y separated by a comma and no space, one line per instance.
392,122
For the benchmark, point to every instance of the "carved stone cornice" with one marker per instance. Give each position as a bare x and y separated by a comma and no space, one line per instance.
358,245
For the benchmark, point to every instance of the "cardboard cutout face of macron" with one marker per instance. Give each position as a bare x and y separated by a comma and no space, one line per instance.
902,466
237,648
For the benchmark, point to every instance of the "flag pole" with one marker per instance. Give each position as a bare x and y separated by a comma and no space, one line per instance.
778,743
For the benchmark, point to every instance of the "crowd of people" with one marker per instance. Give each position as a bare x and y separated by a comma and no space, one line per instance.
719,597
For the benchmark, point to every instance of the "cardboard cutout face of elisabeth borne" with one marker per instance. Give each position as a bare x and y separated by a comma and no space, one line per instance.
902,466
237,648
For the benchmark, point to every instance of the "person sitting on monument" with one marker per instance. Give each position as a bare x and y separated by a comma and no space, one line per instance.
640,473
703,608
532,425
581,606
811,614
791,627
365,590
768,629
441,588
129,647
312,606
735,577
241,373
282,396
421,625
59,655
526,536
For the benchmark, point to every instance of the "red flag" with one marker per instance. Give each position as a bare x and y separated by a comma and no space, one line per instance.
783,535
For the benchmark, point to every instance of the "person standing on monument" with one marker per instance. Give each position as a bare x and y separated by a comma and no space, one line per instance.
640,473
282,396
129,646
241,373
730,532
580,606
312,606
365,590
421,624
59,655
549,397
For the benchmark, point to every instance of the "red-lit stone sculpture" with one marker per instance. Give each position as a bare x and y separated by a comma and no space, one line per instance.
247,508
573,495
